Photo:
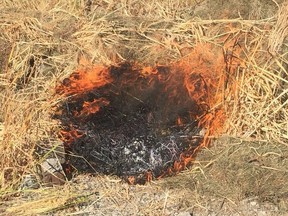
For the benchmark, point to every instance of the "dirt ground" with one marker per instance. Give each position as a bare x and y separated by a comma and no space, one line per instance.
243,172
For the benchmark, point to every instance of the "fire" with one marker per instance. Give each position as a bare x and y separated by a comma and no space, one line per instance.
70,136
179,121
149,117
93,107
85,79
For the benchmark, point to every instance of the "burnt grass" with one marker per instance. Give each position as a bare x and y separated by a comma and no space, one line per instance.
137,132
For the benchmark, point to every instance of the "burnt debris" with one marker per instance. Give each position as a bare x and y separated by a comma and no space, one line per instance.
136,124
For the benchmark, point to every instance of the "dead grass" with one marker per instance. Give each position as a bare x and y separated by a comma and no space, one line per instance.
224,180
44,42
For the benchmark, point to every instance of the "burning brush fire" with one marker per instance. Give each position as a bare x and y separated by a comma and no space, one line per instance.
139,123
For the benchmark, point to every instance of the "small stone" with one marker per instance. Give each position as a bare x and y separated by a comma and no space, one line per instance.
51,165
29,182
52,172
55,178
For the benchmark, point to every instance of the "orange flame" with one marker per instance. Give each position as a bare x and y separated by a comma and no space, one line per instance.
179,121
85,80
93,107
131,180
71,135
204,72
149,176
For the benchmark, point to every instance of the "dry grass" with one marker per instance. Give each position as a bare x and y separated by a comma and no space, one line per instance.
43,43
224,180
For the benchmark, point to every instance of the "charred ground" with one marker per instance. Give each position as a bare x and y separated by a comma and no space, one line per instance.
144,123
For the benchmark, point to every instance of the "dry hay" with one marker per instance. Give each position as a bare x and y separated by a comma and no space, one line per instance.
43,43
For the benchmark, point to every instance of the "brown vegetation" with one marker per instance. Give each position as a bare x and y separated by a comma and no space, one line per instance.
43,42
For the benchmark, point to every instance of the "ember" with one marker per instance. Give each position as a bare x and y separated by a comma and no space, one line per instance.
139,124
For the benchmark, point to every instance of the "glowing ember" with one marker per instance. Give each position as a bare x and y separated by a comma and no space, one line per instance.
139,124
